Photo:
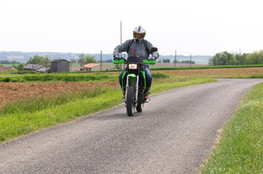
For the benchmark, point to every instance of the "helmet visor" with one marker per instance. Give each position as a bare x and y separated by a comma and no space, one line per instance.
138,35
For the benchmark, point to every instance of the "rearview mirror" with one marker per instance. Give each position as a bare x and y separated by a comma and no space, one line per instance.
154,49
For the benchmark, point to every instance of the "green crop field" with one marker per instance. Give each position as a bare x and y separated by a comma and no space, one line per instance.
59,77
207,67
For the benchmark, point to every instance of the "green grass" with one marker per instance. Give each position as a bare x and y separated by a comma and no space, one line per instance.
59,77
165,84
7,65
245,76
256,76
207,67
19,123
159,75
38,104
23,117
241,146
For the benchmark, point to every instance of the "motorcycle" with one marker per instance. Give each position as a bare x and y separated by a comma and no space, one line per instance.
134,82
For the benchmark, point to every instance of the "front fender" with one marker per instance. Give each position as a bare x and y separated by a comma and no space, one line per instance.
131,75
132,79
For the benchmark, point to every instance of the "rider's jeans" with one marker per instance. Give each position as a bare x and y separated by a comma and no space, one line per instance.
147,75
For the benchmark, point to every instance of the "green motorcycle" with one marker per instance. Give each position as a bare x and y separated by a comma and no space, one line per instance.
133,83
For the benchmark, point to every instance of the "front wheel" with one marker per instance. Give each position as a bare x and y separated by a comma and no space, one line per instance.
130,101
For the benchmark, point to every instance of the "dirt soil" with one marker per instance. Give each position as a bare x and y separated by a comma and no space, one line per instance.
220,72
19,91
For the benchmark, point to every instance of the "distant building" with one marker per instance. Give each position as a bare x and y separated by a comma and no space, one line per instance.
36,67
60,65
6,69
89,66
75,67
97,67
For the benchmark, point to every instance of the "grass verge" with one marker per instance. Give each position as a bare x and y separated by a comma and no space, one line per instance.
240,149
28,116
15,123
66,77
207,67
164,82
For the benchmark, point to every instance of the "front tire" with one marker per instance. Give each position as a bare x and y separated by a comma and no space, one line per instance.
130,101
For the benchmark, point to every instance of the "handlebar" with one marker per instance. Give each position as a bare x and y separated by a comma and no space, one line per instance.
151,62
119,61
122,60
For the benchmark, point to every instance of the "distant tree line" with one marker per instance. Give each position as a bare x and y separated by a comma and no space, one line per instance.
177,61
226,58
41,60
188,61
17,65
85,59
46,61
8,62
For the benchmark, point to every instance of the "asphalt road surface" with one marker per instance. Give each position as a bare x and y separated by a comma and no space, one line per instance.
174,134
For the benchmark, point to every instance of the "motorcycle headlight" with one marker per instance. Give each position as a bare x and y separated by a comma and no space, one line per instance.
132,66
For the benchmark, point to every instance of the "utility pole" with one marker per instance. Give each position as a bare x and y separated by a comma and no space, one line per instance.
121,32
101,60
46,62
123,66
175,58
190,60
239,56
70,63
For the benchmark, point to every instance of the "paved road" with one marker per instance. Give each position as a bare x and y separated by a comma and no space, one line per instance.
174,134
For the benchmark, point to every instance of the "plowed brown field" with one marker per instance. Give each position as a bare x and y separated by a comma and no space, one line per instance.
220,72
19,91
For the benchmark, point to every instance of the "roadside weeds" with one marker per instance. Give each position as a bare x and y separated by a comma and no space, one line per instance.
240,146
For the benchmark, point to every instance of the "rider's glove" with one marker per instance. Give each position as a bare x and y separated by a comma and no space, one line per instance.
116,58
152,59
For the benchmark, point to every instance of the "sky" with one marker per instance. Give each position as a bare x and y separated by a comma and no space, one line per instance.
197,27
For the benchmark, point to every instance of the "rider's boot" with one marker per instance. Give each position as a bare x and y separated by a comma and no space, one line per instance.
146,95
146,99
123,92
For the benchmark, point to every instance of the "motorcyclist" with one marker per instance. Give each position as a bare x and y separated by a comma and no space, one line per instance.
141,48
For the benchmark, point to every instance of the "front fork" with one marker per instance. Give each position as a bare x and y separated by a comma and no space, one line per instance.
131,78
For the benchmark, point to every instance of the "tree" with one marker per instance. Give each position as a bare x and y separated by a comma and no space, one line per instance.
8,62
166,60
41,60
254,58
223,58
86,59
241,58
188,61
73,61
19,66
176,61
